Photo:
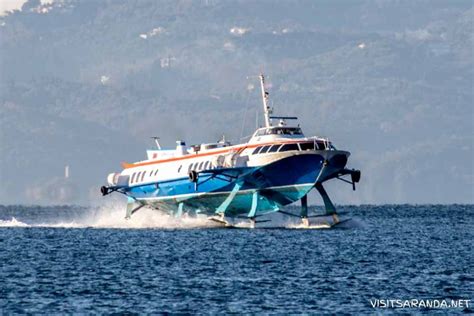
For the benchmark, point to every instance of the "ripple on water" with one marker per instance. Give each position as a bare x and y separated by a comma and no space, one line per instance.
54,262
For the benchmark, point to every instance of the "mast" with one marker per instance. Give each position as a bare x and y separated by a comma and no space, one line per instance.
265,95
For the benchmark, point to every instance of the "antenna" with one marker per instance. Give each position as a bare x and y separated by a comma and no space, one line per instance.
265,96
256,120
156,138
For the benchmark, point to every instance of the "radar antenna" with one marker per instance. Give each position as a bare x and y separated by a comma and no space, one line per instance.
156,138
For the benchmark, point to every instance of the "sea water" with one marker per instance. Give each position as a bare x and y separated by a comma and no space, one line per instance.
91,260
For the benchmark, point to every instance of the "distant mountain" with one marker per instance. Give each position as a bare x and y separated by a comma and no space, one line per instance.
85,83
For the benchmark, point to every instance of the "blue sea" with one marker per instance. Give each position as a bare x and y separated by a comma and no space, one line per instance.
91,260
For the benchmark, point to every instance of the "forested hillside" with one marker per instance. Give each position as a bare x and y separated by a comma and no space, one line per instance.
86,83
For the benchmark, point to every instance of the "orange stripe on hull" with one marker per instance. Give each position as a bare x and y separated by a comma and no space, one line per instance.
126,165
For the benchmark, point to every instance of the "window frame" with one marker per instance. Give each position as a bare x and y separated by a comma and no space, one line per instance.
272,150
307,143
257,150
266,148
295,145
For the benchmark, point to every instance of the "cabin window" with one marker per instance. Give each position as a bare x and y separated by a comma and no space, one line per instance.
206,165
256,150
200,165
289,147
307,146
151,173
143,176
264,149
179,169
284,131
133,177
320,145
273,131
156,172
293,131
274,148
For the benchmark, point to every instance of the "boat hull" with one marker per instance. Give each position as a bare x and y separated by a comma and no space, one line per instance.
266,188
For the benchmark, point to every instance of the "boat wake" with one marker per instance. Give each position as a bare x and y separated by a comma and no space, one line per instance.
12,223
110,215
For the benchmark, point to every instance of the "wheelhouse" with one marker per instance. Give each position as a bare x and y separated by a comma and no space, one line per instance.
277,130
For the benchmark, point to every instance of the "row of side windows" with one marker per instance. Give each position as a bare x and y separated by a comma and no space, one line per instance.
140,176
198,166
289,147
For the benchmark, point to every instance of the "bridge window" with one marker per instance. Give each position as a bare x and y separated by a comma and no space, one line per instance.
320,145
274,148
293,131
307,146
284,131
289,147
264,149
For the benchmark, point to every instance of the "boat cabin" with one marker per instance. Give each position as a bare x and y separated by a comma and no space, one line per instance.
275,132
